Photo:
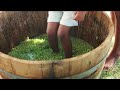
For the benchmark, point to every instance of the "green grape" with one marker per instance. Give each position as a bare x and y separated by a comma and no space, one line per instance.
38,49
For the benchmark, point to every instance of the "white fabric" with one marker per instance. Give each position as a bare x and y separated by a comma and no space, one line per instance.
108,13
63,17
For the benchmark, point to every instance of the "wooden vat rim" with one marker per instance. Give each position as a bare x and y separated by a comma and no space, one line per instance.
109,37
35,63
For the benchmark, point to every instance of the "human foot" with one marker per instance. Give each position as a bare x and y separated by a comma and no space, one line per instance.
110,61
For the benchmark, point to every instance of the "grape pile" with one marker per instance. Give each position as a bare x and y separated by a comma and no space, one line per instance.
38,49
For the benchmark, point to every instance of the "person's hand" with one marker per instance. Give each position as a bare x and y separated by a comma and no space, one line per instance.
79,15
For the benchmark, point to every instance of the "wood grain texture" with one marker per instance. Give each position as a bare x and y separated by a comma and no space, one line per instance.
34,23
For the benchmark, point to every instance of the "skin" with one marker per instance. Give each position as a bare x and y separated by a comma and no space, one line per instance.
2,76
66,43
80,15
56,31
115,53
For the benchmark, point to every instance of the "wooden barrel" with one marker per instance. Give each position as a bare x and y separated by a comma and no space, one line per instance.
97,29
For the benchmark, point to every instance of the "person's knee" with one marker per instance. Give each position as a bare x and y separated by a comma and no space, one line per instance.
50,32
61,34
52,28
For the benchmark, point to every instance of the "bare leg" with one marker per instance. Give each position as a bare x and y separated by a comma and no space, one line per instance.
63,34
114,55
52,29
1,77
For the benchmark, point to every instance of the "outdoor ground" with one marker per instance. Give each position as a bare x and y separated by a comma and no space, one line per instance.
112,73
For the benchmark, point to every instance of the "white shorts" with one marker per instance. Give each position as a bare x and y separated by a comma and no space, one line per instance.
63,17
108,13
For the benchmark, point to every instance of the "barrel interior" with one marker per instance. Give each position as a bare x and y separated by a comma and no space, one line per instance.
16,26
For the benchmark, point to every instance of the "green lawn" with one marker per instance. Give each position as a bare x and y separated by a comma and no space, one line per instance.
112,73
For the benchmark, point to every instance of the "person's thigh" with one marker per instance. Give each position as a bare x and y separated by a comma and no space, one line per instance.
67,19
54,16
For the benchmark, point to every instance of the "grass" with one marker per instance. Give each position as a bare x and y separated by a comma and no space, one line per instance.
38,49
113,72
